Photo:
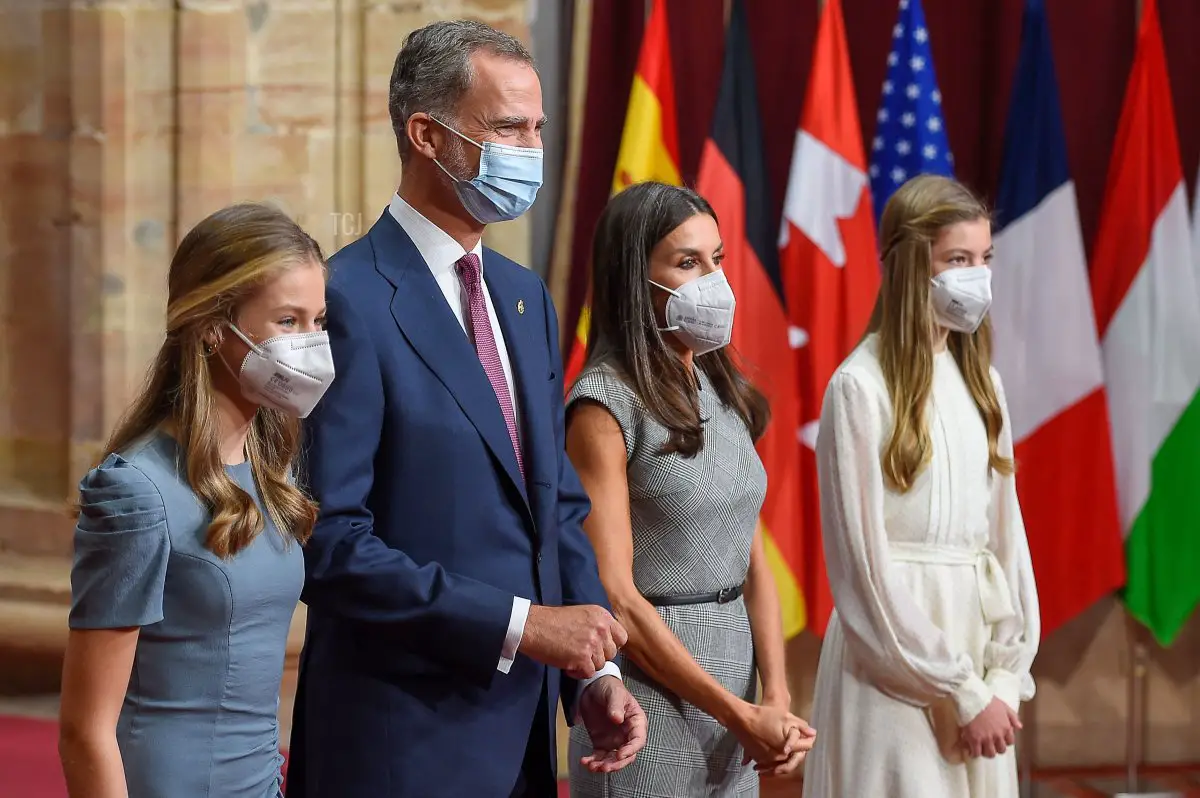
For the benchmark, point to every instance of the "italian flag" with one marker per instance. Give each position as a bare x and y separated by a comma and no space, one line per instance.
1147,307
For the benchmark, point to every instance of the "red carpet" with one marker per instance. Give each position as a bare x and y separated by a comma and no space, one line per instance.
29,759
29,765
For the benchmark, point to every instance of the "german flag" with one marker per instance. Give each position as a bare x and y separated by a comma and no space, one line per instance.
649,143
830,267
733,179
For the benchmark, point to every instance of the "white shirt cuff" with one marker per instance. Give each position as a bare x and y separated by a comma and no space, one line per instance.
609,669
516,630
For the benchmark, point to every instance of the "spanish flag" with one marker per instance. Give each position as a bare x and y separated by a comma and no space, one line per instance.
649,143
733,178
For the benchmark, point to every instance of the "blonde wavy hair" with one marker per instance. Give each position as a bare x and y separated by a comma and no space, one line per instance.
903,320
220,263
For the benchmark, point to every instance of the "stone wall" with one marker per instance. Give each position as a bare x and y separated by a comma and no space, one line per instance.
122,124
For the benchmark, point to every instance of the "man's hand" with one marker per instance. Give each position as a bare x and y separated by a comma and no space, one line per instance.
578,640
992,731
615,722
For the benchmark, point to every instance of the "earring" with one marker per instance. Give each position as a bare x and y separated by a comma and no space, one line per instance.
208,349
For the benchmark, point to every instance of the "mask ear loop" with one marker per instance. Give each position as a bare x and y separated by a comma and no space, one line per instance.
244,338
447,171
471,141
467,139
673,293
255,348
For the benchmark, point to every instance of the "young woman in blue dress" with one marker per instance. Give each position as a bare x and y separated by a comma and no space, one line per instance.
188,565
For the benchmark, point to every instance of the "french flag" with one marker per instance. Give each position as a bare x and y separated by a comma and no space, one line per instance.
1048,352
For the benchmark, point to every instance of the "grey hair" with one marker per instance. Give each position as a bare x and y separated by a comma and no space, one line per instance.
433,70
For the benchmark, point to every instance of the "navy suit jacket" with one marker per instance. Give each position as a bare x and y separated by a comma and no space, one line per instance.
427,532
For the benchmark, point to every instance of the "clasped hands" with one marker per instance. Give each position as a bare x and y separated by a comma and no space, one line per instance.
772,737
991,732
579,640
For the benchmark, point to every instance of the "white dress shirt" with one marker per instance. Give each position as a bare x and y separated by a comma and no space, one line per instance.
441,253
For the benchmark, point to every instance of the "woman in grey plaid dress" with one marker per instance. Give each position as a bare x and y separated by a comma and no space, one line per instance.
661,428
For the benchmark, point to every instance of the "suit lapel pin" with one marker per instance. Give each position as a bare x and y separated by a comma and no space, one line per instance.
521,306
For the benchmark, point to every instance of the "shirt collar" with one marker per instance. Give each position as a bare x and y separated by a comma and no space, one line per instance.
434,244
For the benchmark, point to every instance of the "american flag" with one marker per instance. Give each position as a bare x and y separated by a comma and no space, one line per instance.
911,134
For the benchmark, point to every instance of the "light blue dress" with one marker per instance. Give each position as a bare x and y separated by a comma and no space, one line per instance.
200,714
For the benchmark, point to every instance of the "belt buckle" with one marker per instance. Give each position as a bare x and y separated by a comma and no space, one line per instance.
725,595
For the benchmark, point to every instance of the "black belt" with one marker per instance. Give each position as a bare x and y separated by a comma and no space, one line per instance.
719,597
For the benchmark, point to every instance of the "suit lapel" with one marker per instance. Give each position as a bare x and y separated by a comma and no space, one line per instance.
420,310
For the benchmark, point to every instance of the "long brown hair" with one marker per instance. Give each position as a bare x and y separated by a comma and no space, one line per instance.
903,319
624,333
219,263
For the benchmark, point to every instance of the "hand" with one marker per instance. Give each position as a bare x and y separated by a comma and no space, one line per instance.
770,735
801,739
992,731
615,722
577,639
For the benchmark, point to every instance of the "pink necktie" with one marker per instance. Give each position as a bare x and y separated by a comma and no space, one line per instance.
480,331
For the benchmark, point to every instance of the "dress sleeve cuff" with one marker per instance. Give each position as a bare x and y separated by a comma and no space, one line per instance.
971,698
1006,686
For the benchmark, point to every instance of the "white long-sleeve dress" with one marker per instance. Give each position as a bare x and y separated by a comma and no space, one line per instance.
936,610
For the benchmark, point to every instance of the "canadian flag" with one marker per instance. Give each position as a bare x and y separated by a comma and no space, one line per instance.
829,264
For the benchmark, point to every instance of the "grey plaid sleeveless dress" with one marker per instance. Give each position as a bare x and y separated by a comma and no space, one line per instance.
693,521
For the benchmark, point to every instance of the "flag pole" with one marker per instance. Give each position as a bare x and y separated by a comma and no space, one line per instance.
1134,707
1135,702
1135,724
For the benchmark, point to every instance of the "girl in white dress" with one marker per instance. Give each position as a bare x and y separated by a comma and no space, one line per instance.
927,655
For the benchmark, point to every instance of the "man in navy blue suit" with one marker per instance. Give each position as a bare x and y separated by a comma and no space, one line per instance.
453,599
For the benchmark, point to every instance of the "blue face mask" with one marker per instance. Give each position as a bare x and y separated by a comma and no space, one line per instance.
507,183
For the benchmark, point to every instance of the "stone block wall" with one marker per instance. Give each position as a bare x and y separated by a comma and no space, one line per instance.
122,124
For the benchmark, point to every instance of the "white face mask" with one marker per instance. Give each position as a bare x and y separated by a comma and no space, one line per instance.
961,297
700,312
289,373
